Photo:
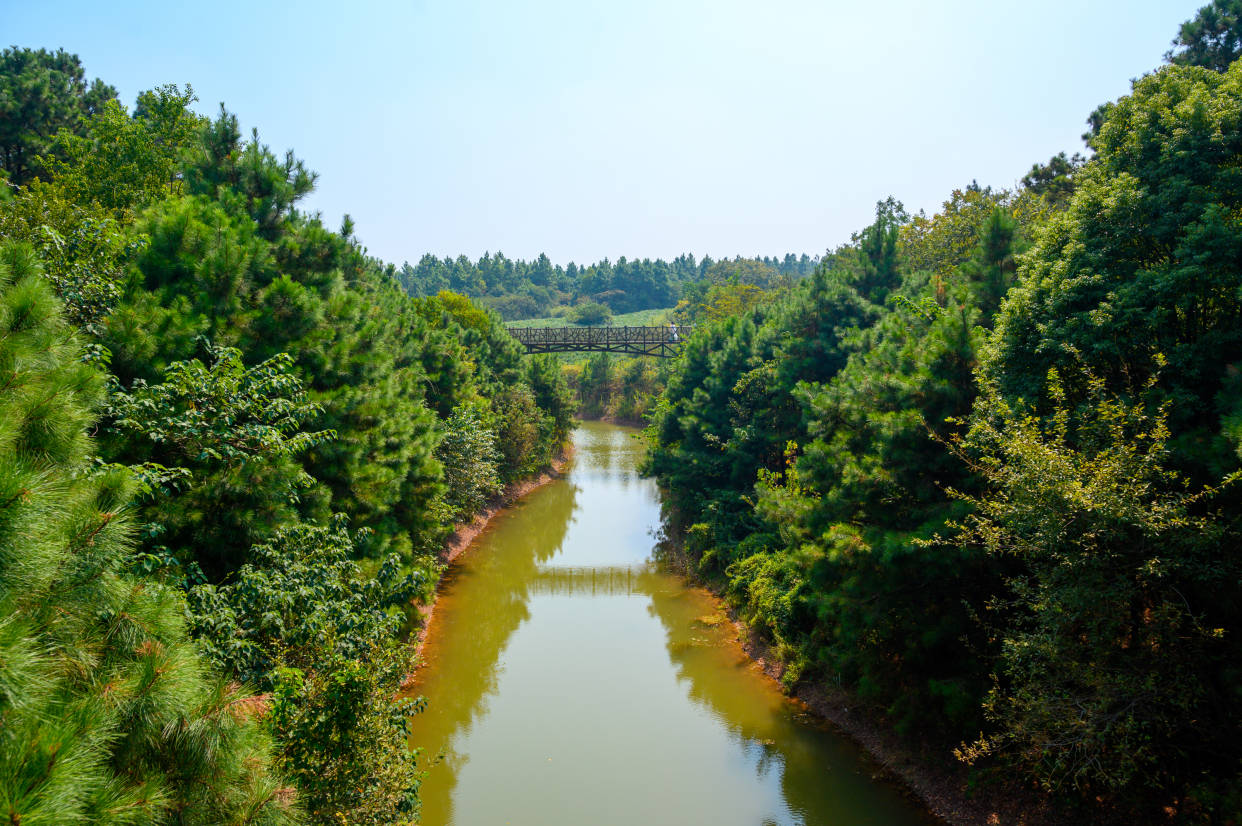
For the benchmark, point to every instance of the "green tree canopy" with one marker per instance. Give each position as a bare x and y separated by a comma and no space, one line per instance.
1212,38
41,93
1143,261
110,715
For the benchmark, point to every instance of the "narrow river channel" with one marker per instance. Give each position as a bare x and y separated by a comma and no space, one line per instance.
570,681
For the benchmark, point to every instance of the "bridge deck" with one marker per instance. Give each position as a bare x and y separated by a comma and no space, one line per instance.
664,341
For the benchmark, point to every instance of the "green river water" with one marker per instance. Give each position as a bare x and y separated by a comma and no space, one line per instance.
570,681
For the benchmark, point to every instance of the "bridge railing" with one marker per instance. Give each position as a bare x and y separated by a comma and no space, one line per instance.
660,341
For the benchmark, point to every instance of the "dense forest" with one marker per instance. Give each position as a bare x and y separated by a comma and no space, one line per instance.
232,448
532,289
981,469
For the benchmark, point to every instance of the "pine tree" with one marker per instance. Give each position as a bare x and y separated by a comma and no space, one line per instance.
108,713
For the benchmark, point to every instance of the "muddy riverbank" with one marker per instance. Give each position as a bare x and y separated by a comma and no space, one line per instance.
570,678
464,535
938,782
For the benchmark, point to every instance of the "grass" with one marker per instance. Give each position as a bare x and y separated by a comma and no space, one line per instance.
640,318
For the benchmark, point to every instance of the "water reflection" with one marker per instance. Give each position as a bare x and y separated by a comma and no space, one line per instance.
496,589
818,772
571,681
594,581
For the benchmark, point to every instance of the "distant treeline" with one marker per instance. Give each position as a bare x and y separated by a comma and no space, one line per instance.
532,289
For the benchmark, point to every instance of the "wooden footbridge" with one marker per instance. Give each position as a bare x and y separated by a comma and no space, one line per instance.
664,342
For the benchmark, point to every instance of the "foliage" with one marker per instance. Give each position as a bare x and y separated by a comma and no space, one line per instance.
300,598
110,716
940,243
301,621
1054,180
866,486
471,462
211,268
1212,39
344,737
121,163
41,94
1120,600
1075,408
639,382
706,301
1143,260
595,384
813,450
640,318
552,395
523,432
527,289
225,413
83,250
590,312
237,432
325,388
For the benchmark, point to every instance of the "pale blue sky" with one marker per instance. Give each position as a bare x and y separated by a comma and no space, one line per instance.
634,127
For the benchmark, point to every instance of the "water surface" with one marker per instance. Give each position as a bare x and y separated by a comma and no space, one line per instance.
570,681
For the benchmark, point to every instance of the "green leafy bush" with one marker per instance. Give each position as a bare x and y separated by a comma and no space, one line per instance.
589,312
471,462
1108,621
302,622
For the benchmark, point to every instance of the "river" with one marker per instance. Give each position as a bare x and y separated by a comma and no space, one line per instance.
570,681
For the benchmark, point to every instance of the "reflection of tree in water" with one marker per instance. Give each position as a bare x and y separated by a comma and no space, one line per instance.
818,770
489,598
597,448
494,589
608,453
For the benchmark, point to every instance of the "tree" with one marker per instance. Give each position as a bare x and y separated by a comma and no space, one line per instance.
990,272
41,94
941,243
110,716
639,384
1054,180
123,163
742,271
1119,624
214,267
302,622
595,384
83,248
1143,261
852,592
1211,39
552,394
522,430
590,312
875,264
235,433
471,463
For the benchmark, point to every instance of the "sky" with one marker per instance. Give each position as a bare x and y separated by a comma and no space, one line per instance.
643,128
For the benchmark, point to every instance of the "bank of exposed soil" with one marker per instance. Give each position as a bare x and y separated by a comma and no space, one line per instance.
941,788
465,534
